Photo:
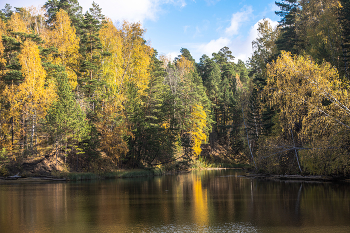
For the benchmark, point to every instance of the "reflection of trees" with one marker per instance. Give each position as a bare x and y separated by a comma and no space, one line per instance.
202,199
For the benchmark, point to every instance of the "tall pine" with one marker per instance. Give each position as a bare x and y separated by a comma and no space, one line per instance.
289,39
344,18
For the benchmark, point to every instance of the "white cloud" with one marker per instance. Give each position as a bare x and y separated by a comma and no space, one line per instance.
237,20
172,55
273,23
212,46
241,47
212,2
185,28
132,10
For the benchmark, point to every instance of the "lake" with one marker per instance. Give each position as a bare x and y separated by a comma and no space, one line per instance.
200,201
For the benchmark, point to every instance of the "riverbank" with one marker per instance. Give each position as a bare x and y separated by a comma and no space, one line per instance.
307,178
47,168
79,176
134,173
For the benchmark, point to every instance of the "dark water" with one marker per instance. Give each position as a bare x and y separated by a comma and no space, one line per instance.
205,201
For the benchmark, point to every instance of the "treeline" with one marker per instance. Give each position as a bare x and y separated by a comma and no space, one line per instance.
298,102
73,85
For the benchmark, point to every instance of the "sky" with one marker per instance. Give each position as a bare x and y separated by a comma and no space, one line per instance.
201,26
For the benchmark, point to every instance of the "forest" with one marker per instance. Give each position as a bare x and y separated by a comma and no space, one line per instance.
94,94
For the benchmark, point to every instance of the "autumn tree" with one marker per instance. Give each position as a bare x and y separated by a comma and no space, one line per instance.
259,114
135,78
320,26
313,103
211,76
197,128
4,130
65,121
15,33
111,119
72,7
62,36
30,100
154,140
190,105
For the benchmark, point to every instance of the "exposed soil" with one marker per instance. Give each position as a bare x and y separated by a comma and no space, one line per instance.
35,166
220,154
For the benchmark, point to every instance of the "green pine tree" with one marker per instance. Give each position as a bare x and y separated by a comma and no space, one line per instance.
72,7
153,142
91,51
65,122
6,13
344,18
289,39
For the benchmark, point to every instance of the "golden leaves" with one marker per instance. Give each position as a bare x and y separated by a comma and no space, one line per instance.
17,24
184,66
63,37
112,130
2,48
32,97
32,90
136,56
124,69
198,124
112,65
309,92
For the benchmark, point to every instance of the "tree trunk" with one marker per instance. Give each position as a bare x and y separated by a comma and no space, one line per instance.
12,123
251,153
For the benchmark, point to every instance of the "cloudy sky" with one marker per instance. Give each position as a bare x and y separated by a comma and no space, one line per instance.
201,26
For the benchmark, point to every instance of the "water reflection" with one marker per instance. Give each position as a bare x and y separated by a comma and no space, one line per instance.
203,201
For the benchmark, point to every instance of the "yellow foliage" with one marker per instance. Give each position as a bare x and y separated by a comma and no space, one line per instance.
32,91
198,120
112,65
136,57
2,48
166,125
63,37
309,92
113,129
31,98
126,66
238,82
184,66
17,24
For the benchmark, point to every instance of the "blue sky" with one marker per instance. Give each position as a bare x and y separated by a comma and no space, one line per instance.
201,26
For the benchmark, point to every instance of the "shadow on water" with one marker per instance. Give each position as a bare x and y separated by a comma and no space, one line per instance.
200,201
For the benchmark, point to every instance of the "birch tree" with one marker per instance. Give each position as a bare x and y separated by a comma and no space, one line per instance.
314,104
63,37
30,99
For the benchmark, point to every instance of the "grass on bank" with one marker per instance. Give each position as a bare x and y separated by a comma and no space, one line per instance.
75,176
201,163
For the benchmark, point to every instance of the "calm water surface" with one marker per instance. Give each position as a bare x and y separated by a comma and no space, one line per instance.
203,201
